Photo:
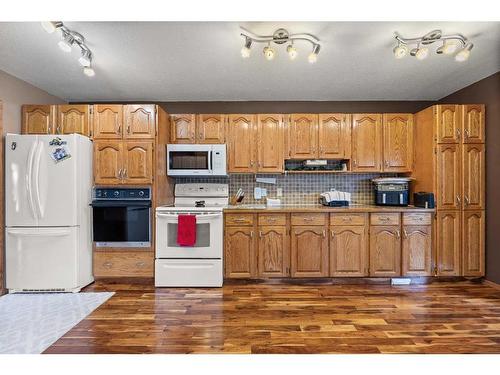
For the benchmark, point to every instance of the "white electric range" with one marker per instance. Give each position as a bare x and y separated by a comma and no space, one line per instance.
200,265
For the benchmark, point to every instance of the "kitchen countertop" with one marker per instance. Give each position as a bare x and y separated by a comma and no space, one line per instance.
252,208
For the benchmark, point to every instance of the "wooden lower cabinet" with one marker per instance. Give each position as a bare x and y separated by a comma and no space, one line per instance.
385,251
448,243
473,245
126,263
309,251
348,251
417,250
273,251
239,252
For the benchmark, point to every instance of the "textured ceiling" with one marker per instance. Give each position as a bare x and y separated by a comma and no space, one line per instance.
201,61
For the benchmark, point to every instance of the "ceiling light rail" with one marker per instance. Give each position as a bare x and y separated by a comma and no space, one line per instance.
451,44
69,39
280,36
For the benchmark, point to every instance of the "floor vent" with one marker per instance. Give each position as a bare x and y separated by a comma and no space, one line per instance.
400,281
56,290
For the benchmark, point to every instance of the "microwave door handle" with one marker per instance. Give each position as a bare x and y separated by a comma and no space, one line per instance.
211,161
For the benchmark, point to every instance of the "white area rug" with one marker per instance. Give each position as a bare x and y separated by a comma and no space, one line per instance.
30,323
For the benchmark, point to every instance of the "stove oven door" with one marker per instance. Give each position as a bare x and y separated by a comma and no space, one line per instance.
209,243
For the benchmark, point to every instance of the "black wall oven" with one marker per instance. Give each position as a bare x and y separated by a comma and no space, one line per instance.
122,217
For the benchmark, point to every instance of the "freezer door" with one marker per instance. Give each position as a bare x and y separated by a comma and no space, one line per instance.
54,183
20,209
41,258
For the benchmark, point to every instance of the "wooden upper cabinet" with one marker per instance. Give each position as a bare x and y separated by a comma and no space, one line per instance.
73,118
108,162
37,119
366,142
448,176
398,142
417,250
348,251
139,121
334,136
448,243
273,251
270,142
108,121
473,123
473,237
137,162
183,128
239,252
303,136
309,251
241,144
385,251
210,128
448,123
473,171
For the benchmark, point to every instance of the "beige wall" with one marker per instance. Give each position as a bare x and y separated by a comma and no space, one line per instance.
14,93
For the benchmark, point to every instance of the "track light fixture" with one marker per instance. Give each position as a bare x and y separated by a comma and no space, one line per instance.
280,36
450,45
69,39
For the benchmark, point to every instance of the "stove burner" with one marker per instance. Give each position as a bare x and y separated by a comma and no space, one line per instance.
199,203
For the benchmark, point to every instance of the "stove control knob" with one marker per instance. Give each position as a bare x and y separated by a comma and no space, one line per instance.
116,193
141,193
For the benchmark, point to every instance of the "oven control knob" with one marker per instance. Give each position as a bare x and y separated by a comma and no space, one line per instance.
116,193
141,193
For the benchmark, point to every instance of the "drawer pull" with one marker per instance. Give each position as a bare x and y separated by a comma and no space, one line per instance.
347,218
384,218
239,220
308,219
140,264
107,264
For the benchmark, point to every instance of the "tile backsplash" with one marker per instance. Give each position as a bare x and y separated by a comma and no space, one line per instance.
298,188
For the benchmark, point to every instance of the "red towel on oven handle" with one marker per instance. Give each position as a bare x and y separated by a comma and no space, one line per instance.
186,230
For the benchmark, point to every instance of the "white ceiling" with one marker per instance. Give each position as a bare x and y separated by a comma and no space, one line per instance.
201,61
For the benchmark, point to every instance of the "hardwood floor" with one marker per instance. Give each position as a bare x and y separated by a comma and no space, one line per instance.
460,317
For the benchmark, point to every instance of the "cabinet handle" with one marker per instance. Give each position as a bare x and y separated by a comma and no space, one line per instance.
58,129
384,218
466,133
387,163
405,234
260,233
347,218
332,234
200,137
355,162
458,200
251,163
119,130
467,201
458,133
128,129
239,220
120,173
251,234
308,219
398,233
125,173
324,233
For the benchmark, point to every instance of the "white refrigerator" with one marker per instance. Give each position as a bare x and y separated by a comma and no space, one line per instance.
48,188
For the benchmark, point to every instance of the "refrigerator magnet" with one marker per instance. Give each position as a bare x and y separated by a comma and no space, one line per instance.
60,154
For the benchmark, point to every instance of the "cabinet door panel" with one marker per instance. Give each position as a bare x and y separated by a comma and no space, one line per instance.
385,251
473,123
448,176
183,128
309,248
366,142
137,162
398,142
417,250
448,118
348,251
334,136
108,162
241,143
239,258
273,253
108,121
210,128
303,136
473,234
38,119
139,121
270,143
73,119
448,243
473,176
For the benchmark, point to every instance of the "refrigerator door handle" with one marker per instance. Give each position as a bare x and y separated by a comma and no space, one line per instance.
39,233
37,180
29,179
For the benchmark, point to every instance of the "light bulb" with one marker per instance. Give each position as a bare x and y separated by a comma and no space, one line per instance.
450,47
245,52
292,52
66,43
312,57
49,26
88,71
464,53
86,58
269,53
422,53
400,51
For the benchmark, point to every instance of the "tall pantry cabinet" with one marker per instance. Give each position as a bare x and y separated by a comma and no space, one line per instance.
450,162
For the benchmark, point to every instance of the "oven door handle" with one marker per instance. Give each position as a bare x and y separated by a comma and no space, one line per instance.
198,216
121,204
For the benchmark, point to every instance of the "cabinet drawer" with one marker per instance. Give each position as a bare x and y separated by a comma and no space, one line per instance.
309,219
123,264
347,219
272,219
385,219
239,219
417,219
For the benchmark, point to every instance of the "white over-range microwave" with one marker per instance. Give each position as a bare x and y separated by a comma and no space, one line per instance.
196,160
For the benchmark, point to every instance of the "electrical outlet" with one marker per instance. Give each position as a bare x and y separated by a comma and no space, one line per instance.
279,192
257,193
263,192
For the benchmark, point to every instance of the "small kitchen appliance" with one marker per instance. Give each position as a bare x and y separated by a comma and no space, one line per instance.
423,199
392,191
196,160
335,198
